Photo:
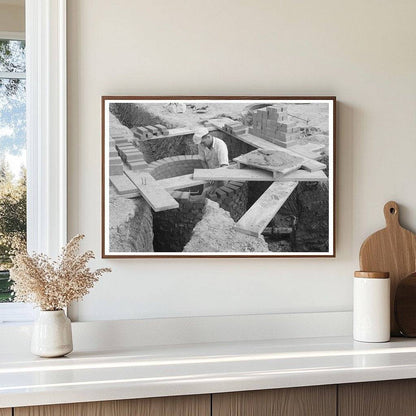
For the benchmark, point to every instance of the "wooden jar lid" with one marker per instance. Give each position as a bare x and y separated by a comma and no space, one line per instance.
372,275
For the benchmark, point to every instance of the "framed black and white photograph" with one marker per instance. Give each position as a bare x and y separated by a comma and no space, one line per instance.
218,176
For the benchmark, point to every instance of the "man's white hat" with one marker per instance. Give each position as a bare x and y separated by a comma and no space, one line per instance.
199,134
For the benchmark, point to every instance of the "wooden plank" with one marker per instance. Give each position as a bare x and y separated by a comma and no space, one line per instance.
299,401
301,175
255,220
277,175
180,131
313,165
180,182
5,412
304,176
258,142
382,398
257,175
219,123
157,197
309,150
124,186
199,405
226,174
310,147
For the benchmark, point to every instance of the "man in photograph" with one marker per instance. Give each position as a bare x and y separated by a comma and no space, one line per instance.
213,153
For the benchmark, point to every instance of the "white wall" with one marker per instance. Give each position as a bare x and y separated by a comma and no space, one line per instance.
12,18
361,51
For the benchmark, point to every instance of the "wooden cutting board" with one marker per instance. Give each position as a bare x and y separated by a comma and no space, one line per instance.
393,250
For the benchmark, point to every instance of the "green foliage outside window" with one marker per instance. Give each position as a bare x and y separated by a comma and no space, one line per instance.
12,145
12,223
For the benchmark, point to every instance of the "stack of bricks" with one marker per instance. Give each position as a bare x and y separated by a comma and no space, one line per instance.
132,156
272,124
116,164
235,128
119,138
233,197
147,132
163,129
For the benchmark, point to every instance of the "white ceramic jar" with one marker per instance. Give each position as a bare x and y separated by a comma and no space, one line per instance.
52,334
371,313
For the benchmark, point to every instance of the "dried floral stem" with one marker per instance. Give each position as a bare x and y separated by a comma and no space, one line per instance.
53,285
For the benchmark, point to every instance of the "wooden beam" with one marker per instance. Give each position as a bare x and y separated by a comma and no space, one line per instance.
124,186
180,131
309,150
180,182
258,142
226,174
219,123
157,197
304,176
255,220
257,175
313,165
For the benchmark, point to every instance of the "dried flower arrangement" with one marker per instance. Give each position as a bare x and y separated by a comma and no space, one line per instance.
53,285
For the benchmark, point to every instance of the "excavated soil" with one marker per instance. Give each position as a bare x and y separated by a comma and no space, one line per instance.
191,118
216,233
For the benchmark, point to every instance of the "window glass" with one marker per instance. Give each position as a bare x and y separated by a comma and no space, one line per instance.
12,157
12,56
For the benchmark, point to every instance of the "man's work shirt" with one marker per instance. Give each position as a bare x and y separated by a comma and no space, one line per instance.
216,156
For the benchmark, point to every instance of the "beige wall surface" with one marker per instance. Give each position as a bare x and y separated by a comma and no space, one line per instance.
363,52
12,18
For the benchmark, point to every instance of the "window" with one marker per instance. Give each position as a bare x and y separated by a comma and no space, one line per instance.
45,27
12,153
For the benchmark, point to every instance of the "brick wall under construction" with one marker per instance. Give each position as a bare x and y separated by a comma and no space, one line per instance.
161,147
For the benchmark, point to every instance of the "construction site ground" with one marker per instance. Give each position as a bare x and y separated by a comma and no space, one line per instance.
192,119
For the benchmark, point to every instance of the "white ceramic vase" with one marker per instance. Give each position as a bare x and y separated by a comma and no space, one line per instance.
52,334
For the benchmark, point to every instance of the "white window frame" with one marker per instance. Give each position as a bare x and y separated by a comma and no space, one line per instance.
46,127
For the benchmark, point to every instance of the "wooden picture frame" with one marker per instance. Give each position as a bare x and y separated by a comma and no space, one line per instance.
275,199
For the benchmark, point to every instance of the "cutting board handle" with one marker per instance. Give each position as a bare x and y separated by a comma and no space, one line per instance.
391,214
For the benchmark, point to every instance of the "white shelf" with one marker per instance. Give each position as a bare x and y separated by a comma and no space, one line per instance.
150,371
